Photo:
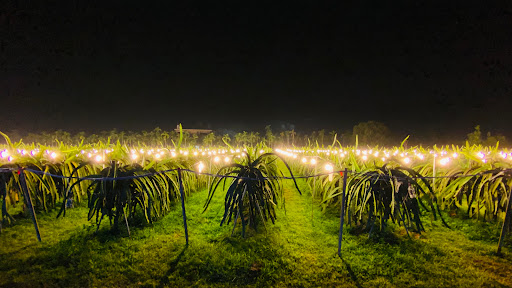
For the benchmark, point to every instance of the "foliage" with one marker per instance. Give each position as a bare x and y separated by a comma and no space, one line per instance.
475,138
135,187
372,133
254,193
389,193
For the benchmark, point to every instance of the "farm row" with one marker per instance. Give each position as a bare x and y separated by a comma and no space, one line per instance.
382,185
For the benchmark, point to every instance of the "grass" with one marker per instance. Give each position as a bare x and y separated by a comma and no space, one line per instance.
298,251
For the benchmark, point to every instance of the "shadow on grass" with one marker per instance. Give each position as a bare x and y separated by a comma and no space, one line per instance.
351,273
172,266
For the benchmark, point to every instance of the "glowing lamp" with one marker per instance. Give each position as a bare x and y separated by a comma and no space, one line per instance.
329,169
444,161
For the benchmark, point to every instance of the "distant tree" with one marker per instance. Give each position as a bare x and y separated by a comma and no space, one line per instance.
165,136
292,134
241,138
492,140
79,137
209,139
282,137
269,137
372,133
121,136
186,138
321,137
254,137
475,137
193,139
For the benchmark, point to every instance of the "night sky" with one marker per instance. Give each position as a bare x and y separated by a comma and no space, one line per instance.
423,68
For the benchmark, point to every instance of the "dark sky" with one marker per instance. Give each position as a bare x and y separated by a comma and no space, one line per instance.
426,68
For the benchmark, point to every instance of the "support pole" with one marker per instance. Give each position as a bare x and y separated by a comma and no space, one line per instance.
28,200
342,214
506,223
434,175
182,193
313,196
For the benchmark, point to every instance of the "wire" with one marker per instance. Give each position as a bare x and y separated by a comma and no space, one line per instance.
380,176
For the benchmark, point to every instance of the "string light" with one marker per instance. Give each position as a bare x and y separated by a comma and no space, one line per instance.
444,161
200,167
329,169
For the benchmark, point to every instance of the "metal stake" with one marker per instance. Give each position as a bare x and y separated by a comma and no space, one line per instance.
342,215
28,200
182,193
506,224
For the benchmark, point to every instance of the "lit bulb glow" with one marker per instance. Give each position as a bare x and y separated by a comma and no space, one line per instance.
329,169
444,161
200,167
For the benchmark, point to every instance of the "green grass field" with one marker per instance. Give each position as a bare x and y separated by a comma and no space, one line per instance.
298,251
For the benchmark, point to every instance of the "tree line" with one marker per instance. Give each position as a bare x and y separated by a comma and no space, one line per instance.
370,133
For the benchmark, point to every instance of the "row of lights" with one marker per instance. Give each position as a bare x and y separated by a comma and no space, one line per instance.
101,155
364,155
406,157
